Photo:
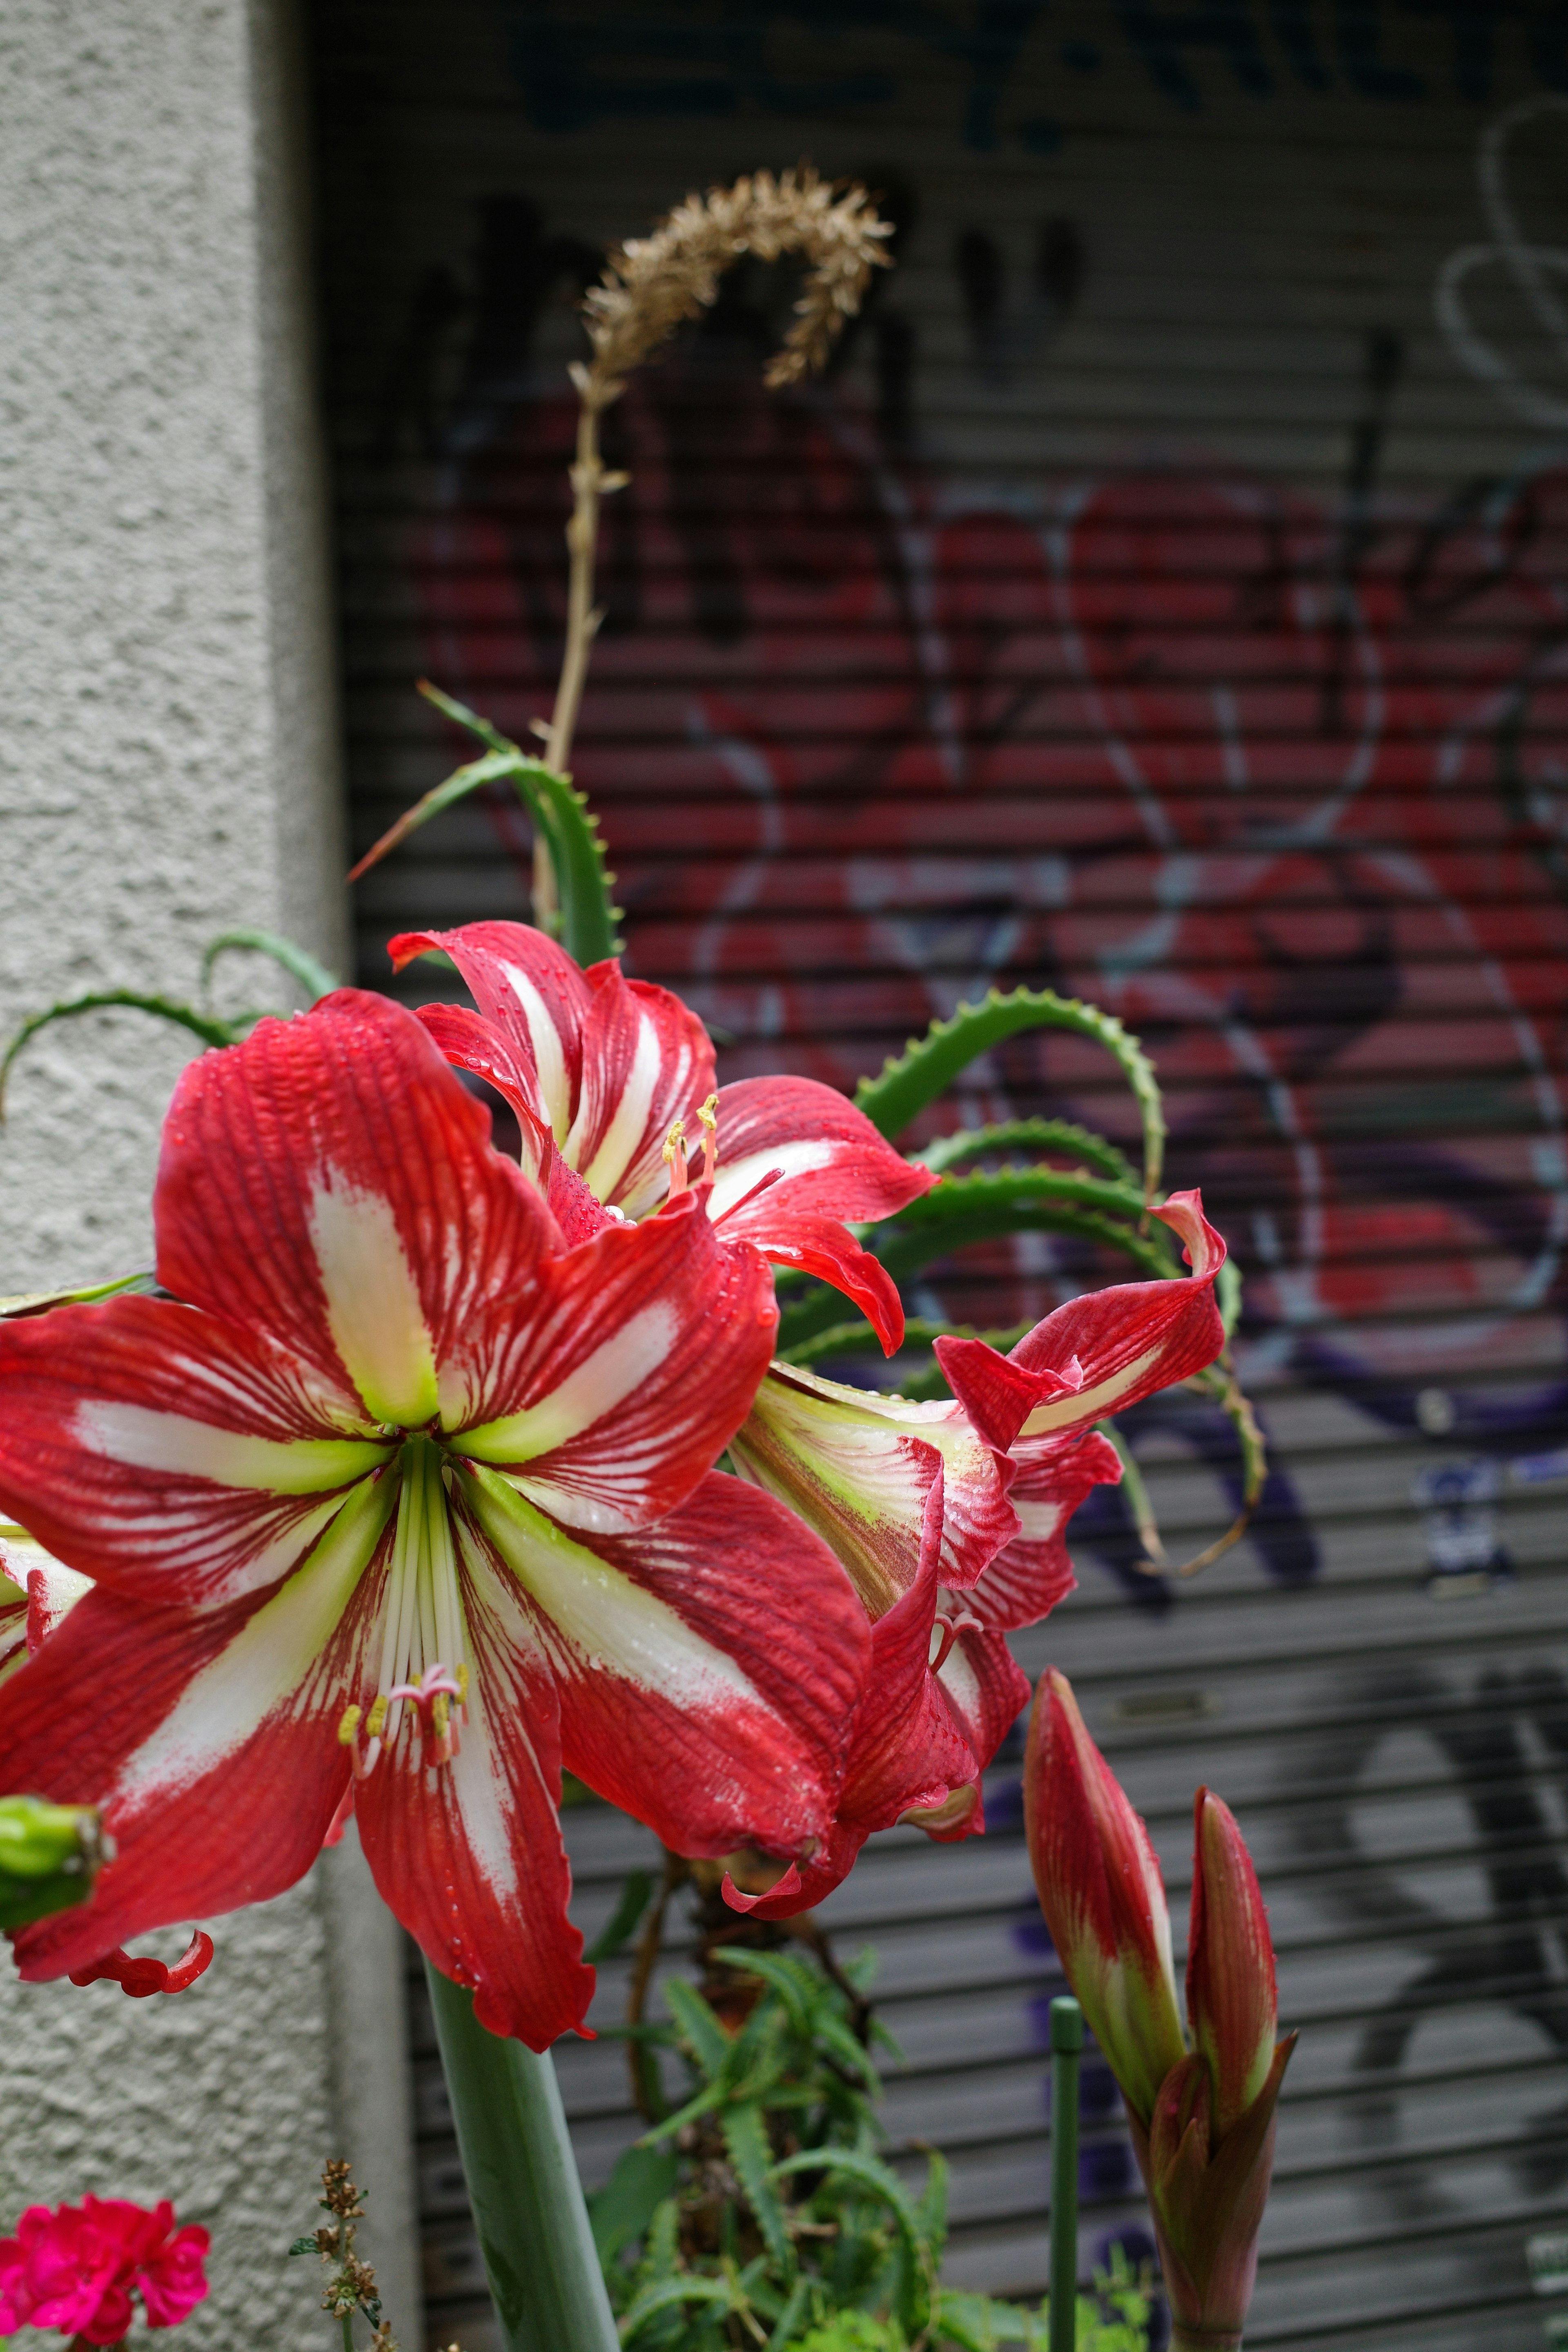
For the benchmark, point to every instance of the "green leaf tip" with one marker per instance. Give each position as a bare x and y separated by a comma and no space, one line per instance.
928,1065
590,920
297,961
208,1026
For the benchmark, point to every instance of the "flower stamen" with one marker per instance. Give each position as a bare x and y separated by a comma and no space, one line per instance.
709,1115
675,1159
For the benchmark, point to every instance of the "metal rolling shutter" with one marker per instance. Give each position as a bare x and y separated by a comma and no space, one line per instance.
1166,598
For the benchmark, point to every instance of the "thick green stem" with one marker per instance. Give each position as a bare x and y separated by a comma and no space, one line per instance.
1067,2044
527,2201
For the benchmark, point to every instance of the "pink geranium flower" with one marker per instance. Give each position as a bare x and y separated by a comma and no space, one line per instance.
78,2268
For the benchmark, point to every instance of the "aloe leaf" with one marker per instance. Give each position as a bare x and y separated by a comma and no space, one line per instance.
623,2209
296,961
683,2288
205,1026
785,1976
932,2207
967,1209
746,2139
697,2023
1137,1494
1062,1135
929,1064
39,1302
869,2170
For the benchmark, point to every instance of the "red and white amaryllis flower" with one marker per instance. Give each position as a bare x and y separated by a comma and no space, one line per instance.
398,1494
612,1082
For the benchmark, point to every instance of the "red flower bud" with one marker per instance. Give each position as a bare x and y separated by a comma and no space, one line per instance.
1100,1890
1231,2001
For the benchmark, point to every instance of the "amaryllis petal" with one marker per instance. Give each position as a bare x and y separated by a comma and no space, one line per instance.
142,1441
832,1160
533,990
819,1245
469,1856
467,1042
1032,1573
1100,1353
855,1467
986,1688
707,1667
210,1741
906,1747
330,1184
1100,1890
647,1062
613,1396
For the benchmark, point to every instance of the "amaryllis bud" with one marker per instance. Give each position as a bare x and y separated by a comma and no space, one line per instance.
1100,1890
1231,2000
48,1857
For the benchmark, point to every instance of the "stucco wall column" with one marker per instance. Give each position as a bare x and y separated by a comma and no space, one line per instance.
168,769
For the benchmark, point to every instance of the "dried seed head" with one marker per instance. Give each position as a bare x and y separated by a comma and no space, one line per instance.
651,284
339,2194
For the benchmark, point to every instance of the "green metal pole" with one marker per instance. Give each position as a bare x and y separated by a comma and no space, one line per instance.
1066,2042
545,2274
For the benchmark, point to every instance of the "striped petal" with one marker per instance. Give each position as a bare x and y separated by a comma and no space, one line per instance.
210,1740
638,1357
1101,1353
906,1748
647,1061
147,1444
858,1469
533,991
832,1162
466,1041
332,1186
1032,1573
469,1856
707,1667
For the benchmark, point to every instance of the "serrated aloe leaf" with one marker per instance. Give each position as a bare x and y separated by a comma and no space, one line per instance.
296,961
786,1977
845,1338
1062,1135
39,1302
670,2292
967,1209
933,2207
205,1026
698,2022
929,1064
590,923
1137,1494
746,2139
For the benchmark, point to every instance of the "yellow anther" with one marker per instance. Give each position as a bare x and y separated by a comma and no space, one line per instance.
708,1114
673,1142
376,1723
348,1729
440,1715
463,1685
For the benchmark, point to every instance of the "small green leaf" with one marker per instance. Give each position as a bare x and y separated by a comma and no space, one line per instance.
39,1302
697,2023
625,2205
668,2292
590,925
297,961
791,1979
205,1026
929,1064
746,2138
304,2246
635,1896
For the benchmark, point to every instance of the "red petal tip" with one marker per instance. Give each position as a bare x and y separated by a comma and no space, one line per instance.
142,1978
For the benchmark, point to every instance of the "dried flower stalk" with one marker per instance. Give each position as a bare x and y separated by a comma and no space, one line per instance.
651,285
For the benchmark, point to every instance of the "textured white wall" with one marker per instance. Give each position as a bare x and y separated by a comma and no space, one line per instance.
167,769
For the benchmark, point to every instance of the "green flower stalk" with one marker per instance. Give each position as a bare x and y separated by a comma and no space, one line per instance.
49,1856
